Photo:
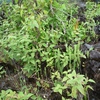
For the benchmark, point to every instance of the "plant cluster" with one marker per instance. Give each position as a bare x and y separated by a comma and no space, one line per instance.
12,95
45,36
42,34
72,83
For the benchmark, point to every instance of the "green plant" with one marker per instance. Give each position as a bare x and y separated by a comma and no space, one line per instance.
45,36
12,95
26,35
92,11
39,35
73,83
2,71
36,35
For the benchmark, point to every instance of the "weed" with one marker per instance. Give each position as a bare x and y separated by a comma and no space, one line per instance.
72,83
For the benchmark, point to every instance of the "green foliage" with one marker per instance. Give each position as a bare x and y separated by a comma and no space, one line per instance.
72,81
2,71
92,10
12,95
48,31
31,36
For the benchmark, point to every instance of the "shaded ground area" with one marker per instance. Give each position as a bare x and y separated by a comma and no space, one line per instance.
91,68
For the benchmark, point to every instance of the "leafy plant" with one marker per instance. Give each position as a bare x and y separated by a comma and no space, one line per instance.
45,36
72,82
40,34
25,35
12,95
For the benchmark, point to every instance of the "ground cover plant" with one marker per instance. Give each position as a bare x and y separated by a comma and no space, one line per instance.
42,39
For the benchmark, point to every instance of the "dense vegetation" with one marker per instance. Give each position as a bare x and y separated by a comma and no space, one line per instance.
42,39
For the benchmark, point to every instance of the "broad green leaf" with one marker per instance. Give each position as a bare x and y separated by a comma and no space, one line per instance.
81,89
65,79
74,92
35,24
